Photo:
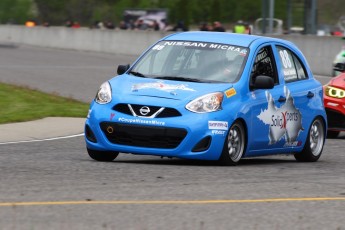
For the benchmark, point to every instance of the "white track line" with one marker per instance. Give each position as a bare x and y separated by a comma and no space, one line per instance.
39,140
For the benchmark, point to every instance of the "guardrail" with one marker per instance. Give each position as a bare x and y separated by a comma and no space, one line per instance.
319,51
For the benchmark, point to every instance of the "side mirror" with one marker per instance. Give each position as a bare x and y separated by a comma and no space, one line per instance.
121,69
340,67
263,82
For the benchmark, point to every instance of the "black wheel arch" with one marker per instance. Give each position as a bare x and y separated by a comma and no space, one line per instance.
245,127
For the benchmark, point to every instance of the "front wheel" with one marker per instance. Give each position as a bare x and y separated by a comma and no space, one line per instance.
315,141
102,155
234,145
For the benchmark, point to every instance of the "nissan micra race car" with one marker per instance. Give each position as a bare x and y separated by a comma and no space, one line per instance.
210,96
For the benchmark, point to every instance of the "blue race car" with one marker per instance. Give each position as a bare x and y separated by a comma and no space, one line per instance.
210,96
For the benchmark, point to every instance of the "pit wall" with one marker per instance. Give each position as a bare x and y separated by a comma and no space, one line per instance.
320,51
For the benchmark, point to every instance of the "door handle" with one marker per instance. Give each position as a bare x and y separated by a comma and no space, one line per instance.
310,95
282,99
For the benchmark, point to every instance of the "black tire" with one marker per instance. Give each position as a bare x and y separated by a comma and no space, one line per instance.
104,156
314,144
332,134
234,145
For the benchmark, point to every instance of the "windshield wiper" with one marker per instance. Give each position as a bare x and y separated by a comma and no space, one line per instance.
138,74
179,78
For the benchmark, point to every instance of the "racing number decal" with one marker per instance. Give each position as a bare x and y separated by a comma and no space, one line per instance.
285,59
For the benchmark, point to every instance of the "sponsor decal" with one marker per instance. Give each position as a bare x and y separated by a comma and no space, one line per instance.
141,121
293,144
112,116
204,45
288,72
230,92
194,44
158,47
243,52
284,122
225,47
218,132
160,85
220,125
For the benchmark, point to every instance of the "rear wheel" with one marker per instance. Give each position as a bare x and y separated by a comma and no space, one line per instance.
102,155
332,134
234,145
315,141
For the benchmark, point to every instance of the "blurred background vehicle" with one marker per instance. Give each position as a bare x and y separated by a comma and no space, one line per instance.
159,18
339,60
334,100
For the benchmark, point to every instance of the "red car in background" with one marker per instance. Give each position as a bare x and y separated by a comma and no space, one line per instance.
334,100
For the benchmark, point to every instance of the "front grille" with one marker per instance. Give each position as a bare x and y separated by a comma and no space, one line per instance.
167,112
143,136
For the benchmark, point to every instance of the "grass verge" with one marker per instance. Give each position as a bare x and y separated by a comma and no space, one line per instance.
19,104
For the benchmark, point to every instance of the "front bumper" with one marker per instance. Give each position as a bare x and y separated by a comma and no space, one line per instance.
189,136
335,109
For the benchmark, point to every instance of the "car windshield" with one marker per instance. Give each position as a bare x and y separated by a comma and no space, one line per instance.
192,61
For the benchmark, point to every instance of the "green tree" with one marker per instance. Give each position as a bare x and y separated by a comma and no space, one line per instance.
52,11
16,11
215,12
56,12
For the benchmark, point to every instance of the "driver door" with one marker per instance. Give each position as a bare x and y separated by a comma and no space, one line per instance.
267,122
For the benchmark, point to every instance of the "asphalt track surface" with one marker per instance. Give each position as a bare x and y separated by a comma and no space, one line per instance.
53,184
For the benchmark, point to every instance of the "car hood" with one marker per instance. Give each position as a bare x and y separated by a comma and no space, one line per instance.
338,81
177,90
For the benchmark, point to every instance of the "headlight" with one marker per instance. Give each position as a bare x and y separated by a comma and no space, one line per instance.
207,103
334,92
103,95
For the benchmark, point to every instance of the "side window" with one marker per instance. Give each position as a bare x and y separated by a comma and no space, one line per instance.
293,69
264,65
301,73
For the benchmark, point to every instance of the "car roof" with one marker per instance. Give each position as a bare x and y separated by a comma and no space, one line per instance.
244,40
